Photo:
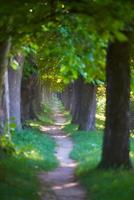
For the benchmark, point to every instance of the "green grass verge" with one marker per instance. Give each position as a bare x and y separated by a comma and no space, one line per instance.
18,173
44,118
100,184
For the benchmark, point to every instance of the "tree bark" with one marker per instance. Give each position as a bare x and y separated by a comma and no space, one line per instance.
25,99
67,96
83,107
31,97
14,78
76,100
7,102
87,107
116,136
4,52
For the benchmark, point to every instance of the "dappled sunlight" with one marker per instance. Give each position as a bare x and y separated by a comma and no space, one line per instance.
132,135
60,136
69,165
62,123
34,124
100,122
131,154
70,128
62,179
33,152
100,112
100,117
34,155
47,128
58,114
65,62
67,185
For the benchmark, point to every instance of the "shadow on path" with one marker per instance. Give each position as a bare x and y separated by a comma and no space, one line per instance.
62,180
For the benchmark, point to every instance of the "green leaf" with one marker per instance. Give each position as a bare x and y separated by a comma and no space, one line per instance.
120,36
14,64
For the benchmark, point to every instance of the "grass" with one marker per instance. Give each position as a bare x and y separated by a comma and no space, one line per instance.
18,172
46,116
43,118
100,184
34,152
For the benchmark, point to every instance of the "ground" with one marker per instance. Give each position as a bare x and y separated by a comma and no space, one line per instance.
62,181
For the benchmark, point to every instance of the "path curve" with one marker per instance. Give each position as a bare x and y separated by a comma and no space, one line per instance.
62,180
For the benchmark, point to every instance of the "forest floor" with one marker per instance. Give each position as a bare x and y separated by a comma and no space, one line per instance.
62,181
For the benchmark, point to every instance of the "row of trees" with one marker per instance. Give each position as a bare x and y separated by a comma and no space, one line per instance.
80,99
116,144
21,92
70,42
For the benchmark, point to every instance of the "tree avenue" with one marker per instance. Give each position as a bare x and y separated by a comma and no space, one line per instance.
69,47
112,23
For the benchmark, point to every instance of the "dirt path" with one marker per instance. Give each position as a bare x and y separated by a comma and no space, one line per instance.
62,180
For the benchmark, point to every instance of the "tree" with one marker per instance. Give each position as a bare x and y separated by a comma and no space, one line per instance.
5,46
79,98
20,26
116,138
111,21
14,79
87,108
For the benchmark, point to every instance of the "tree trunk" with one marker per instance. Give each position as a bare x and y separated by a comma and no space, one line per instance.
15,77
76,100
7,102
116,138
83,106
4,52
31,98
35,97
87,107
67,96
46,94
25,99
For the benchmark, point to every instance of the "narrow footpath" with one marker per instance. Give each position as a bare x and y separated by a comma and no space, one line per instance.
62,181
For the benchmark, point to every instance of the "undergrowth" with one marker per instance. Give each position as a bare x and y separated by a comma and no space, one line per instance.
100,184
34,152
45,117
